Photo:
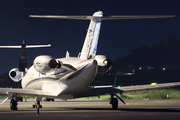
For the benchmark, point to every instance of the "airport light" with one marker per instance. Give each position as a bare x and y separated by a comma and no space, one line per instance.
140,68
119,86
164,68
153,83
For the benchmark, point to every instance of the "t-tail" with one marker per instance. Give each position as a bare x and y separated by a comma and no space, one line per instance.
91,41
16,74
90,44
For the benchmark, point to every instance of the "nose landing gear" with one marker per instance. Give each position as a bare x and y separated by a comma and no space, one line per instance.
37,102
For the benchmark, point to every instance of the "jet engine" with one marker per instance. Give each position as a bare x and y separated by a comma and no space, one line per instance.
15,74
46,64
104,64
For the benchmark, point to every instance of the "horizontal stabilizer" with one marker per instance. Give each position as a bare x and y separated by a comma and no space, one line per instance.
36,46
135,17
66,17
27,46
103,17
10,46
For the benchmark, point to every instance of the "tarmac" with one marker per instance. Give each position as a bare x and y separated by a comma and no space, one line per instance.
94,110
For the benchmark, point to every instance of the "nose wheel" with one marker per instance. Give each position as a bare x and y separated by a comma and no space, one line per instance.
37,102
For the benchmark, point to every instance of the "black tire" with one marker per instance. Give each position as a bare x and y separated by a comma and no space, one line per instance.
34,106
21,99
114,103
40,106
13,104
17,99
14,108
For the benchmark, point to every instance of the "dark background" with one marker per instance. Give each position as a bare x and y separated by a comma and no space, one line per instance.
117,38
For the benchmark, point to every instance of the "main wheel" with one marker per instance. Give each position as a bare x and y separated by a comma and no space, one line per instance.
114,103
21,99
13,104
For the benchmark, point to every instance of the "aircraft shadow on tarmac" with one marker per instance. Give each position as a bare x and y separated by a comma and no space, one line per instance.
110,109
58,109
133,110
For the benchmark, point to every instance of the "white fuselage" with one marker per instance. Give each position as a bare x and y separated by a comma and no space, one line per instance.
63,83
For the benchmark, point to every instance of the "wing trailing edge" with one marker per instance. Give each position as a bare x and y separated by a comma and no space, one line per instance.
104,90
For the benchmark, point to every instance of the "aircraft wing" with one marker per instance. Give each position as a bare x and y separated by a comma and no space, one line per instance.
27,92
147,87
103,90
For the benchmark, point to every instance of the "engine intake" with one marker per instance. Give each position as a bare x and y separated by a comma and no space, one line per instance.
45,64
104,64
52,63
15,74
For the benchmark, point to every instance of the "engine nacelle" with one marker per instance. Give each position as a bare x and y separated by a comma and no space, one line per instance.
15,75
104,64
45,64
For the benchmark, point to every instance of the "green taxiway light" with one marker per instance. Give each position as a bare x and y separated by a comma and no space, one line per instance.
153,83
119,86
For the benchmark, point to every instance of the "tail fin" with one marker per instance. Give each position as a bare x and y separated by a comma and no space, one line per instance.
22,58
91,40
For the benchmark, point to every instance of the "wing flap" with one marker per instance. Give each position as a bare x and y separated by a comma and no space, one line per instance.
103,91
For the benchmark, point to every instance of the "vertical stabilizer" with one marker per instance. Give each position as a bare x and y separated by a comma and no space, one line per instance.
91,40
22,58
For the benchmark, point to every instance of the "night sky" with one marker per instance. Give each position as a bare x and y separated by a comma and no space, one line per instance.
117,38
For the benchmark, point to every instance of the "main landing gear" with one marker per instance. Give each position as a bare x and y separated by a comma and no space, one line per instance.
13,102
114,101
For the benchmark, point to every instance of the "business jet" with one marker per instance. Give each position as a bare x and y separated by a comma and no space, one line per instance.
70,77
